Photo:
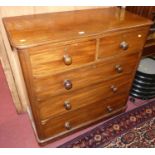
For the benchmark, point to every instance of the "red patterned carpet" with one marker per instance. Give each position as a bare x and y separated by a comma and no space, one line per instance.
135,128
142,136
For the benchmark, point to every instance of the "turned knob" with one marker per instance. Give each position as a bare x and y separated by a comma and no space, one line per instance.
67,105
68,125
119,68
67,59
114,88
67,84
109,108
124,45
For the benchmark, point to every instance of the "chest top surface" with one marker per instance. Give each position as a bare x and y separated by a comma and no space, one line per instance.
32,30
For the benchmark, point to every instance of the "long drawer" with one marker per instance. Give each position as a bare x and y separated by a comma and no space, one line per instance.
61,104
80,78
47,59
83,116
128,41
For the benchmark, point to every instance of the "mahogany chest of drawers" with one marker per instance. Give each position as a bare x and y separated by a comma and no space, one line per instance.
78,66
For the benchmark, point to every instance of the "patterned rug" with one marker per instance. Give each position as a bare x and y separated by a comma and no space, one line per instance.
135,128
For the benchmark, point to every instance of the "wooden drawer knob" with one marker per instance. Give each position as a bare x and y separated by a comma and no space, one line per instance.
114,88
109,108
67,60
67,84
67,105
124,45
68,125
119,68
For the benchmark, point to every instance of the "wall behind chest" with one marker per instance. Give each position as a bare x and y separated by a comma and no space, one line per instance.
7,11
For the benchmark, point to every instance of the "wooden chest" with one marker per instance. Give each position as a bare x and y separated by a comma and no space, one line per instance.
78,66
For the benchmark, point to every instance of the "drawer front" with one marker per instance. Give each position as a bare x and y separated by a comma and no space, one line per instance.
122,42
61,104
80,78
83,116
48,59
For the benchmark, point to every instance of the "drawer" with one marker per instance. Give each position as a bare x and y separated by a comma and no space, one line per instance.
61,104
83,116
48,59
122,42
85,76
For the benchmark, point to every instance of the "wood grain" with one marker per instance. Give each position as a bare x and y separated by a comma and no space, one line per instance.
148,12
48,58
27,72
83,116
85,76
53,106
110,44
23,33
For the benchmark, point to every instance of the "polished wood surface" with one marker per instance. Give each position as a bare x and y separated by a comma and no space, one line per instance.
69,25
148,12
80,117
111,44
83,97
84,76
77,68
48,59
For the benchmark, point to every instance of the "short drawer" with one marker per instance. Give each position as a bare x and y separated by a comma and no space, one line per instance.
53,106
75,79
129,41
83,116
48,59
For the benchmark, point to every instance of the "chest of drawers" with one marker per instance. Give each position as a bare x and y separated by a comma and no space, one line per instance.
77,68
